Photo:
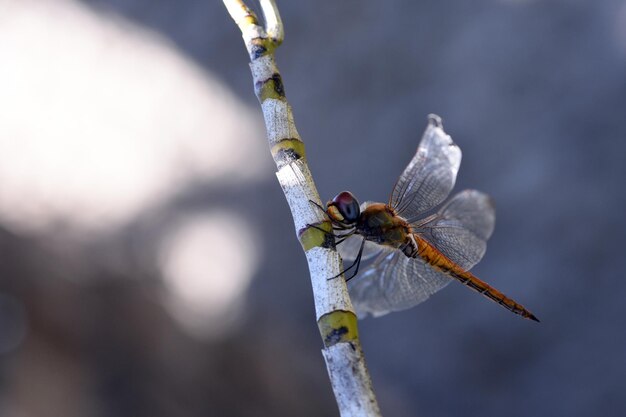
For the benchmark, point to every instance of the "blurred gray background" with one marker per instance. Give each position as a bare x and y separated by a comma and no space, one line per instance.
148,264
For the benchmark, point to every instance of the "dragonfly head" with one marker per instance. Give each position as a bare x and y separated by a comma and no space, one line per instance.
344,208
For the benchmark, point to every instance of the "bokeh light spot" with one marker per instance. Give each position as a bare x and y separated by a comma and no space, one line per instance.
207,264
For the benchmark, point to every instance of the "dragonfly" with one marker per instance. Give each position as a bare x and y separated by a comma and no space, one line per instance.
415,250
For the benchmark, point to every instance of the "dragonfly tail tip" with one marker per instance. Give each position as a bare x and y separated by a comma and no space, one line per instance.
532,317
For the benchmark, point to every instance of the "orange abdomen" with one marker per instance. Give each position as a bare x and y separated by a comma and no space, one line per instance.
438,260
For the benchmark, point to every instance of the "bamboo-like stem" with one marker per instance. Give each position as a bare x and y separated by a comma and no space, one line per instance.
334,312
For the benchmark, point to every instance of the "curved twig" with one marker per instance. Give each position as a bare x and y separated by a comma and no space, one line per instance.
334,312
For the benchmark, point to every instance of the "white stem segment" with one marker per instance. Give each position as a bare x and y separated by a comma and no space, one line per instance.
346,367
278,115
333,309
273,24
330,294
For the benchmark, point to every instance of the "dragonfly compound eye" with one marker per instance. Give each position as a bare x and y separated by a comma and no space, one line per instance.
347,207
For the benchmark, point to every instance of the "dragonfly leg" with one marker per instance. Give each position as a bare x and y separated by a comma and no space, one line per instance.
318,206
342,227
321,230
357,263
341,238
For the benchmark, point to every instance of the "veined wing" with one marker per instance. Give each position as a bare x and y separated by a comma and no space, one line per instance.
431,174
461,228
394,282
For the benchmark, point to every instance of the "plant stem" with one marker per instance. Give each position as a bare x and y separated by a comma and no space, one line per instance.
334,312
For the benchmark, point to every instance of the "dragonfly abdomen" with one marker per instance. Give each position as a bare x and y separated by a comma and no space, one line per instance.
473,282
438,260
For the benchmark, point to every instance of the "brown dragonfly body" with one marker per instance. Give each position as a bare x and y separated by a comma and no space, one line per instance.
429,243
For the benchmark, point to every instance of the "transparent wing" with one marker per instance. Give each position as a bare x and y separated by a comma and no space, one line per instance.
431,174
349,249
394,282
461,228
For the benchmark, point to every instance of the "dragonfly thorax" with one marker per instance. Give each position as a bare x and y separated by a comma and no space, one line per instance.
379,223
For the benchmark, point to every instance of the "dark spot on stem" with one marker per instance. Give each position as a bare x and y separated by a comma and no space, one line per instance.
329,241
257,51
258,48
335,336
286,156
278,85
